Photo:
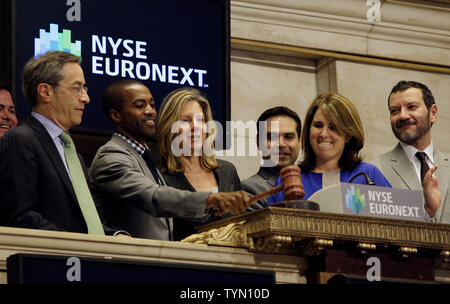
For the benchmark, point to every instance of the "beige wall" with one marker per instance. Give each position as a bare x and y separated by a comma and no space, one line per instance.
328,46
261,81
368,86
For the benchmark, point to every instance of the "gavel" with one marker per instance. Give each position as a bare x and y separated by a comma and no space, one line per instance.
291,185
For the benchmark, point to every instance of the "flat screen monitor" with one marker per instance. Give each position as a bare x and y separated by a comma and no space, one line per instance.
53,269
166,44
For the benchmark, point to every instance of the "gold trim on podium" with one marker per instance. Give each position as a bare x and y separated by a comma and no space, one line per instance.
232,234
274,229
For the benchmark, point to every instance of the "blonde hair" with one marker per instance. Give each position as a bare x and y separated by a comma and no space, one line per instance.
169,114
345,117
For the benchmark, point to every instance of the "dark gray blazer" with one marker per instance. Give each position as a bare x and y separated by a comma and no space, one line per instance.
228,181
400,173
131,200
35,188
260,182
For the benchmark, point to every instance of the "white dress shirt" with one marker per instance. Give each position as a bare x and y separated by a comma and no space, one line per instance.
411,151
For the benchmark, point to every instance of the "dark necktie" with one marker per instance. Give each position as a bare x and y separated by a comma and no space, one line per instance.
423,164
147,156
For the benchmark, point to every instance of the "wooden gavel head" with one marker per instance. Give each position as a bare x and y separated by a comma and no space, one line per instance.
292,183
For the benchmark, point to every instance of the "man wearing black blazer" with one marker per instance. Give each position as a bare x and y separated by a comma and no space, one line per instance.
35,180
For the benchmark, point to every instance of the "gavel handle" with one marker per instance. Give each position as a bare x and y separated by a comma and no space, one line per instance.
266,193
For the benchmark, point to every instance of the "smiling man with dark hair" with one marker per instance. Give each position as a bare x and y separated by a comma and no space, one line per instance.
8,118
132,192
413,112
284,147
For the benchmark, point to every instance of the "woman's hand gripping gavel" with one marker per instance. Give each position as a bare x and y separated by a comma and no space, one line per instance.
291,185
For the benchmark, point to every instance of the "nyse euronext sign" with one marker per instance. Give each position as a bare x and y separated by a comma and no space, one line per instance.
126,58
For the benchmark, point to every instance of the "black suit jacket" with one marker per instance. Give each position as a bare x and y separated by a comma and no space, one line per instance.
35,189
228,181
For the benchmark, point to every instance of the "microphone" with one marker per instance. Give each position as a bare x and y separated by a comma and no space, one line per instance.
368,180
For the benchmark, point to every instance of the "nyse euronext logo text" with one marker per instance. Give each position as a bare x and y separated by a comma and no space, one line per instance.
354,200
56,41
120,57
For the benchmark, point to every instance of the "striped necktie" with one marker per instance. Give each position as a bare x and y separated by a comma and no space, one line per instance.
80,186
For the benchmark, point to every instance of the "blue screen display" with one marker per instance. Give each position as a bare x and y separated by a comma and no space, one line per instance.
166,44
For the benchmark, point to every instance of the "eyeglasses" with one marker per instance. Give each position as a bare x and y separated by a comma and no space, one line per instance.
76,88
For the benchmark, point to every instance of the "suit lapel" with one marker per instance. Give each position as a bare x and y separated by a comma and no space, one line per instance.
443,175
220,182
49,146
161,177
125,145
405,172
269,174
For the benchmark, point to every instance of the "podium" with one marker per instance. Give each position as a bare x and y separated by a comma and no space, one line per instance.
371,201
407,250
300,246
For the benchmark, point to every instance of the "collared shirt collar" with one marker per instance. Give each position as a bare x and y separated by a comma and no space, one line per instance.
137,146
53,129
411,151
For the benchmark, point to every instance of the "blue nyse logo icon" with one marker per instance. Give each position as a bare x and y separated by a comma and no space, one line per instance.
354,200
56,41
